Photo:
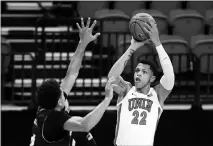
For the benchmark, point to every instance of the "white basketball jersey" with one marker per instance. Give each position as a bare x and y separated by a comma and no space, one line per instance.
137,118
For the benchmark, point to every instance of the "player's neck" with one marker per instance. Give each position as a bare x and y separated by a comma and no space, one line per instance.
144,90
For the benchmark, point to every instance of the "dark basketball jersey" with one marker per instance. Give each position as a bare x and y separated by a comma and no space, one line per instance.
48,129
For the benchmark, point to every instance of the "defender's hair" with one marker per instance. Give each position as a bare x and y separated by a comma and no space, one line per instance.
48,94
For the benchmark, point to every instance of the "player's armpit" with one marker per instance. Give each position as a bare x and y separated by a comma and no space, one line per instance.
162,93
75,124
122,86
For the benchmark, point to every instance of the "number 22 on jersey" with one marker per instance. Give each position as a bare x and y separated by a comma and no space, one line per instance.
139,118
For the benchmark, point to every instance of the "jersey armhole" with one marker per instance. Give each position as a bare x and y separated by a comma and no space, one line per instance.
124,94
42,133
160,105
156,90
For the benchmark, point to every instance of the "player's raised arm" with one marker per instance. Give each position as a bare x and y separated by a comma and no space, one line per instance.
85,34
86,123
120,64
168,78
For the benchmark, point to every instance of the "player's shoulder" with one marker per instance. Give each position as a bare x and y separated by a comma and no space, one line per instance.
122,82
161,90
58,114
124,94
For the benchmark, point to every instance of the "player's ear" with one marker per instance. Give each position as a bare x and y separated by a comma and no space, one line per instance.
152,79
60,102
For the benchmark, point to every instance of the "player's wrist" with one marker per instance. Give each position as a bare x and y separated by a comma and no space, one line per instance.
83,43
82,46
157,43
133,47
108,98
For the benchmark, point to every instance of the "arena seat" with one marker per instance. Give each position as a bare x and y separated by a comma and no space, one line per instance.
200,6
88,8
176,45
165,6
186,23
209,20
129,6
202,47
115,24
178,50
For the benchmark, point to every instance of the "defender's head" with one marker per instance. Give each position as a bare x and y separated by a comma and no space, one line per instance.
50,95
145,74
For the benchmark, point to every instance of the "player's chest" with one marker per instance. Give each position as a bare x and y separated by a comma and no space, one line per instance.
136,101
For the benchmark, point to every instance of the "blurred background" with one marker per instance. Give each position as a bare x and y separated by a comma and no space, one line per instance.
39,38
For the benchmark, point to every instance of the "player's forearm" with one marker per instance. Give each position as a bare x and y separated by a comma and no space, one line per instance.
168,78
94,117
75,63
120,64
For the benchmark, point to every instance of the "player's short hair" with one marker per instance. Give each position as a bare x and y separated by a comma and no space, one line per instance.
153,67
48,94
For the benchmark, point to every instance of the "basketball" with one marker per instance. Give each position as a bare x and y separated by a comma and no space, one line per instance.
136,25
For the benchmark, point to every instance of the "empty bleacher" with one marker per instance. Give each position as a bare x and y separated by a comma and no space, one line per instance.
42,46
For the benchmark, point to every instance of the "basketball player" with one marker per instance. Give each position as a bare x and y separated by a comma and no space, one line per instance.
53,125
140,106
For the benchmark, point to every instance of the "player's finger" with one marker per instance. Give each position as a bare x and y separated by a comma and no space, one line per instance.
148,26
88,22
153,24
82,23
79,28
146,30
112,79
114,85
95,36
93,24
109,82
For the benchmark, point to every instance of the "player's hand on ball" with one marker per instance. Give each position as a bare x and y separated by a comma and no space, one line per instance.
135,44
153,33
109,88
85,32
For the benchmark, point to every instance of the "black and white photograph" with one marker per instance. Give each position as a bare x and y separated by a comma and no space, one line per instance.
106,73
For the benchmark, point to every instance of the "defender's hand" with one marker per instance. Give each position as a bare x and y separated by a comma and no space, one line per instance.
85,32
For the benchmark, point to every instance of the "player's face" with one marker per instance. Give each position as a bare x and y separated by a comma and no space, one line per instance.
142,75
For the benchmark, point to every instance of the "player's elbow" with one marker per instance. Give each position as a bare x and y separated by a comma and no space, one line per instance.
76,125
87,128
168,81
85,125
169,77
171,81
